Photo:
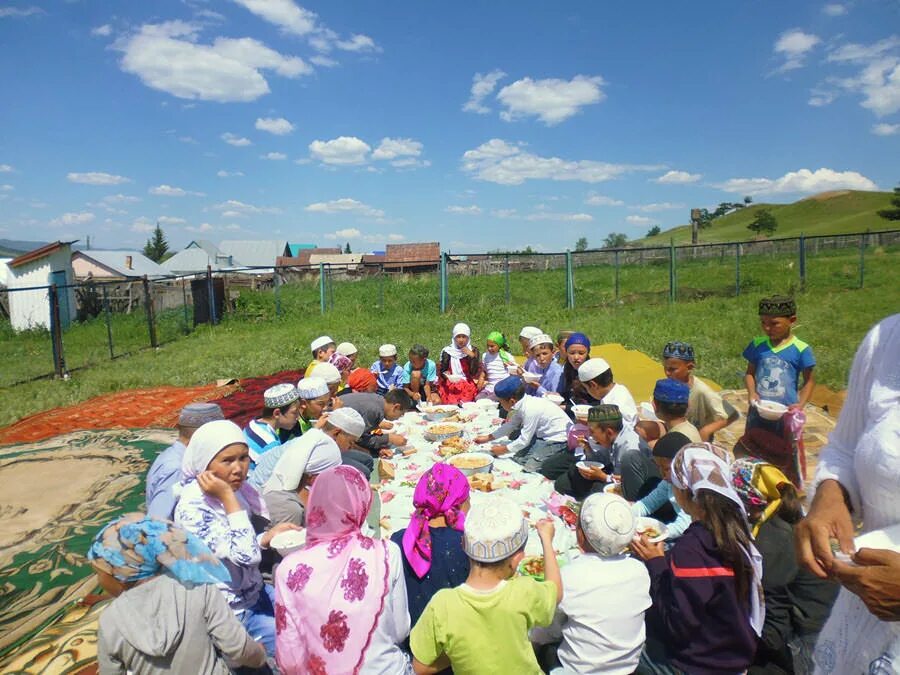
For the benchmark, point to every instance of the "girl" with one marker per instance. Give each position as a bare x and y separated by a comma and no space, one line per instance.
167,615
433,555
341,599
459,368
578,350
707,612
495,363
216,505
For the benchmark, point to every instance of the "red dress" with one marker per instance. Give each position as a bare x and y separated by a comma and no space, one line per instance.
459,392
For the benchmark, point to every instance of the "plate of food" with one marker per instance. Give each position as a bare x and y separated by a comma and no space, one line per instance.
613,489
533,566
442,431
433,413
288,541
485,482
470,463
454,446
587,464
655,530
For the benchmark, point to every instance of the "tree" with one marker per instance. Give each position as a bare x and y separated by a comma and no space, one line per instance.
156,246
615,240
347,248
894,213
581,244
748,200
764,223
653,231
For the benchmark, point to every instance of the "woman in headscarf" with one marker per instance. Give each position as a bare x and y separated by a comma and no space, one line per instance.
433,556
797,602
495,363
341,599
578,350
459,368
216,504
707,614
167,615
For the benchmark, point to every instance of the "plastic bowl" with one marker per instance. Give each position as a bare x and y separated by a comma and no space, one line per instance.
771,410
286,542
554,398
454,378
642,523
481,463
512,370
531,378
581,411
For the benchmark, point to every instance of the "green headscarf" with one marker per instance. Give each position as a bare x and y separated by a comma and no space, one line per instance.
498,338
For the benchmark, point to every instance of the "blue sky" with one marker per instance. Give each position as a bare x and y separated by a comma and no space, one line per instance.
482,125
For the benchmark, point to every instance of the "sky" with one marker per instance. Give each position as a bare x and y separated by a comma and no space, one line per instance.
485,126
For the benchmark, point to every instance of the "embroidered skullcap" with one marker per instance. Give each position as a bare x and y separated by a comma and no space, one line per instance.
592,369
507,387
198,414
529,332
311,388
578,339
668,390
348,420
346,348
605,412
542,339
778,305
387,350
462,329
678,350
320,342
608,523
494,530
280,395
327,372
361,379
669,445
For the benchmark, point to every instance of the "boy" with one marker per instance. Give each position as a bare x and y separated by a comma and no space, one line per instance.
349,350
659,500
541,445
322,348
525,337
386,370
330,374
281,412
776,362
377,410
670,403
706,409
166,470
547,365
420,376
599,636
482,626
597,378
561,338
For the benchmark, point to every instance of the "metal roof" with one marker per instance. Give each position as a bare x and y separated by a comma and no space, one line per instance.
190,261
39,253
253,253
116,262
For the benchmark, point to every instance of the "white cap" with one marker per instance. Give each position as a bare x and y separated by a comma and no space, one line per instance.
320,342
280,395
327,372
494,529
312,387
530,332
387,350
592,368
608,523
346,348
348,420
540,339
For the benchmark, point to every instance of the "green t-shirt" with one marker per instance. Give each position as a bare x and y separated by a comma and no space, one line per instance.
483,632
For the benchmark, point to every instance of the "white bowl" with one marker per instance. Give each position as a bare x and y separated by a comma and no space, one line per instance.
487,404
581,411
285,542
454,378
512,370
554,398
532,378
641,523
771,410
431,435
484,463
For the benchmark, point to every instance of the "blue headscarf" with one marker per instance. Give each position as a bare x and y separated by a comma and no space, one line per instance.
578,339
136,547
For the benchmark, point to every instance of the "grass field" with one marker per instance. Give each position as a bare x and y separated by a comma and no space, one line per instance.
253,340
843,212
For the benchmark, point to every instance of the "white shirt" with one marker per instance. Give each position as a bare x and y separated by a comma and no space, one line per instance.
384,657
541,419
620,396
601,615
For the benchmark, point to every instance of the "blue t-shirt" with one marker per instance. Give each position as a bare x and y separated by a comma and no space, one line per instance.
778,368
387,379
429,372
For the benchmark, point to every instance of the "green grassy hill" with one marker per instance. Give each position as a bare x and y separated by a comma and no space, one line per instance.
838,212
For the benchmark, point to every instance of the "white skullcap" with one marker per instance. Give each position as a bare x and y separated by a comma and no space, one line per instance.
461,329
311,388
387,350
327,372
540,339
348,420
494,530
608,523
591,369
530,332
320,342
346,348
280,395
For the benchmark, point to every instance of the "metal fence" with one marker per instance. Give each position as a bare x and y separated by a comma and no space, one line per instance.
113,318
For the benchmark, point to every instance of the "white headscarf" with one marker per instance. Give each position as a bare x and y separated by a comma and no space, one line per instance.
457,354
313,452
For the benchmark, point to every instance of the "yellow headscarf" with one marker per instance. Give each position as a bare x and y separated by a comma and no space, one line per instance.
757,483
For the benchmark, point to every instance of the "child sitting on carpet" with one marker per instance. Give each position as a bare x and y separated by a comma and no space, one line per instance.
525,336
546,365
597,378
281,411
386,370
495,364
167,614
420,376
482,626
322,348
561,337
349,350
459,367
670,402
578,350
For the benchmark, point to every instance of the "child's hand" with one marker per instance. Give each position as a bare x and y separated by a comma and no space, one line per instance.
266,539
545,529
483,439
386,453
498,450
214,486
386,425
593,473
644,550
397,439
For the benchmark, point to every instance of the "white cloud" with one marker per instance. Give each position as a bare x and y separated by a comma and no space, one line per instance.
552,101
793,45
834,9
190,140
639,220
142,224
222,173
344,150
801,181
171,191
323,61
392,148
170,220
167,57
472,210
879,83
102,31
857,53
233,227
561,217
274,125
6,168
594,199
285,14
202,228
395,237
886,129
483,86
678,178
81,218
497,161
657,206
821,97
235,140
345,206
504,213
233,208
6,187
120,199
19,12
96,178
357,43
347,233
277,156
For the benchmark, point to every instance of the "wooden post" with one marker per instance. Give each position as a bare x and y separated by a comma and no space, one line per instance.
59,361
148,310
672,291
737,269
106,313
276,282
212,298
322,287
801,243
616,254
187,328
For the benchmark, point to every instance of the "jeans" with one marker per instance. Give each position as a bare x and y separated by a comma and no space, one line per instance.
538,452
259,620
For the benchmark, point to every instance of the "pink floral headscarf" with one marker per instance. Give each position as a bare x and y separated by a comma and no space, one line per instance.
440,492
330,593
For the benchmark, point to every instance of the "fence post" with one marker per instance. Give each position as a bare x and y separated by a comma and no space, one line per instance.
322,286
737,269
184,304
802,260
59,361
672,292
506,271
862,259
570,282
106,315
212,297
330,288
381,286
276,282
616,254
443,275
148,310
